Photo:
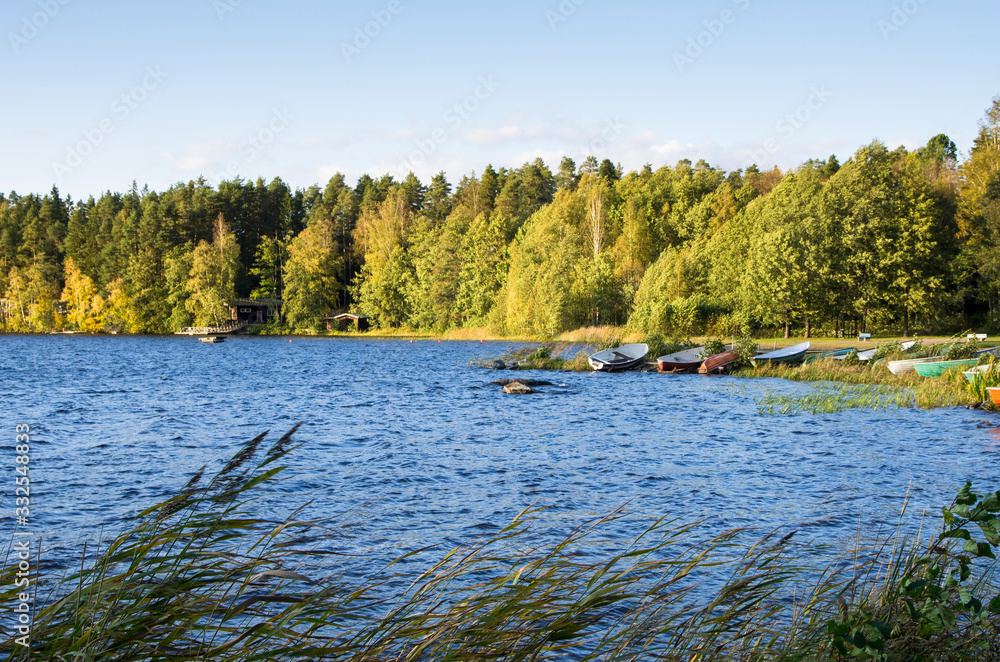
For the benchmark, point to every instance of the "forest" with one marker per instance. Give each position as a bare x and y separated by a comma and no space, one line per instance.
890,241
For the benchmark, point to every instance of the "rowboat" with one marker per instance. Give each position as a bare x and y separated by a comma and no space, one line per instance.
979,371
938,368
837,354
869,354
689,359
909,365
994,394
791,354
718,363
618,358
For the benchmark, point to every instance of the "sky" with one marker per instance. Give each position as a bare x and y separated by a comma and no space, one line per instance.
100,94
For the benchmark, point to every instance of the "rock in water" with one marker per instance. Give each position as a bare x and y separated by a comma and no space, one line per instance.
497,365
517,388
524,382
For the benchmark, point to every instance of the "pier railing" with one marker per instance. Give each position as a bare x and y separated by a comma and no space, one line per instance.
231,327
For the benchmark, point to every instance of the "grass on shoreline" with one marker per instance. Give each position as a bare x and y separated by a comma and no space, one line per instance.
877,388
886,389
199,577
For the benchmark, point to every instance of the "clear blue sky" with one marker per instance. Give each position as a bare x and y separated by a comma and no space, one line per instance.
263,88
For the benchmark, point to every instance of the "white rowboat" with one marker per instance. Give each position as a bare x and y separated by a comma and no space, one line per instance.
618,358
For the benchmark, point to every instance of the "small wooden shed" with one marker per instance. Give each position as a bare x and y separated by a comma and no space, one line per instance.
253,311
343,322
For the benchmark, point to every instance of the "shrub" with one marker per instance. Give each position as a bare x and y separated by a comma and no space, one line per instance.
852,358
713,347
746,348
961,351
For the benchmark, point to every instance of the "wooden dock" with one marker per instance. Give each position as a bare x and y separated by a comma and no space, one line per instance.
226,329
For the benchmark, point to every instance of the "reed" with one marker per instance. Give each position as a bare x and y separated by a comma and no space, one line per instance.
887,389
541,356
200,577
986,379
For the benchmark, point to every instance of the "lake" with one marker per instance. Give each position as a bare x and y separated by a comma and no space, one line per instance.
406,445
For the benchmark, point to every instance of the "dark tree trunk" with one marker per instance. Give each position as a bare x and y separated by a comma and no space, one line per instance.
906,322
808,328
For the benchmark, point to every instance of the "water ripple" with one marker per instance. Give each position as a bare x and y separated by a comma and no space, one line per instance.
406,446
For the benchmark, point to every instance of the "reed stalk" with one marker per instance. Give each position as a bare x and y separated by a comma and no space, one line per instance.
200,577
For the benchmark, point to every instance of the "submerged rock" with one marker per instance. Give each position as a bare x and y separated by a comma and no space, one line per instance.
525,382
517,388
496,365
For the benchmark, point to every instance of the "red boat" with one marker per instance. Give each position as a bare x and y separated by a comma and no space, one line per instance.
718,363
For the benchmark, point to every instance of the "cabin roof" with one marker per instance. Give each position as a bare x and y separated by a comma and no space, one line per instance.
349,316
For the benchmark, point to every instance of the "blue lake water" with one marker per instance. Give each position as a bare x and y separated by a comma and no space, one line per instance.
409,446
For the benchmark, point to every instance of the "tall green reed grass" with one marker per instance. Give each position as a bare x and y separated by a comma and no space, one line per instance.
201,577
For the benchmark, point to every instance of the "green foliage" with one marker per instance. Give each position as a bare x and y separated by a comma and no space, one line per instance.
930,609
385,295
830,399
714,347
852,359
961,351
746,349
891,351
212,280
681,250
546,356
658,346
985,379
311,276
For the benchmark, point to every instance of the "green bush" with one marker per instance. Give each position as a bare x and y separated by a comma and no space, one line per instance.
961,351
746,348
713,347
852,358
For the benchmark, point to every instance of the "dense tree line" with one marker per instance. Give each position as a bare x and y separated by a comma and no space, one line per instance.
890,240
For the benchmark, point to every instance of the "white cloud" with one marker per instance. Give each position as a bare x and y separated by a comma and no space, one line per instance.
200,157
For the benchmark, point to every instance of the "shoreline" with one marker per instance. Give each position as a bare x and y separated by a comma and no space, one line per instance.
585,336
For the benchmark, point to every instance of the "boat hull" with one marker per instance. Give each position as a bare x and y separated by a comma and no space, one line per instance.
976,373
994,394
686,361
600,366
718,363
792,354
671,366
909,365
938,368
837,354
617,359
